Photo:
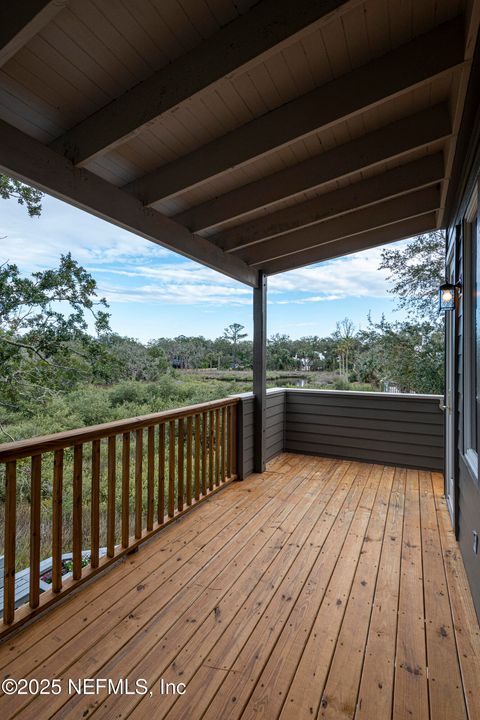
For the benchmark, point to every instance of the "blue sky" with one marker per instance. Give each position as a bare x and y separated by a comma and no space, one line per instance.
153,292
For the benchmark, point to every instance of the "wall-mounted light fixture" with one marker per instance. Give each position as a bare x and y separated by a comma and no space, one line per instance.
446,297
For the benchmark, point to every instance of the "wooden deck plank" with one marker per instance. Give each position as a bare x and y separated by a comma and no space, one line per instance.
376,686
467,631
310,576
444,681
239,600
151,654
411,692
339,697
320,639
226,652
245,609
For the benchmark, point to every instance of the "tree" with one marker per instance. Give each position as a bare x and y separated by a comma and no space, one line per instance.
416,271
24,194
233,333
344,336
413,350
45,346
280,354
409,354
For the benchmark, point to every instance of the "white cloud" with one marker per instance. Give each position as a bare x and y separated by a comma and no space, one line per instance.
186,294
180,271
37,243
356,275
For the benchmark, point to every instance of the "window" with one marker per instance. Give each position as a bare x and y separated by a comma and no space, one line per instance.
471,291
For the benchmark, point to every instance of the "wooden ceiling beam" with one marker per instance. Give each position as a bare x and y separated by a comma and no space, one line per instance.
385,213
25,158
408,67
247,39
21,20
400,180
357,243
392,141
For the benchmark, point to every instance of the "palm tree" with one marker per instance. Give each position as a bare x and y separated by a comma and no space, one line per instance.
233,333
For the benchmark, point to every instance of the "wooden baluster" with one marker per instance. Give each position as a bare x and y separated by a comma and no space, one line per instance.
161,474
126,490
189,460
223,475
180,473
197,458
77,511
111,483
138,482
57,521
95,505
217,446
150,477
35,509
204,453
9,544
171,469
229,440
234,439
211,441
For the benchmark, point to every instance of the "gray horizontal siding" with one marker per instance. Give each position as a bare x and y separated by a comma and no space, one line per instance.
274,433
392,429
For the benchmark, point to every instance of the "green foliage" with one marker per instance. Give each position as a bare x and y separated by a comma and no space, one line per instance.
125,358
281,353
45,345
416,272
23,194
233,333
345,344
341,384
408,354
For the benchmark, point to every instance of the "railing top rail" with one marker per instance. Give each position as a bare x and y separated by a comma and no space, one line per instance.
366,393
47,443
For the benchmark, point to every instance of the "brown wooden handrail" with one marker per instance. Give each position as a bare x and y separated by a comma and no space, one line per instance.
45,443
154,467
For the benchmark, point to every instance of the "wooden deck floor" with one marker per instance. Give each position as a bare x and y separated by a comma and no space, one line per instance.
322,588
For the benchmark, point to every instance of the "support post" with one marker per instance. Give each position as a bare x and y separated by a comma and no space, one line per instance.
259,370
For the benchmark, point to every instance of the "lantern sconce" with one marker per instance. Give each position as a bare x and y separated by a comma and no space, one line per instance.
446,297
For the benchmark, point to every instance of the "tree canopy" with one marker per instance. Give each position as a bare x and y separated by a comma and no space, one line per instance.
45,319
416,272
23,194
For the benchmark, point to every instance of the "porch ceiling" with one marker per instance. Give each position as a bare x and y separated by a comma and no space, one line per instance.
247,136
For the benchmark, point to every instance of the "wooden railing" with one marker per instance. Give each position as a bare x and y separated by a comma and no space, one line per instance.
133,476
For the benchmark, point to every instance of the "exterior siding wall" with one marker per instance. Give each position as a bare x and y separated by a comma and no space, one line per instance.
275,417
465,175
385,428
469,520
467,486
374,427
